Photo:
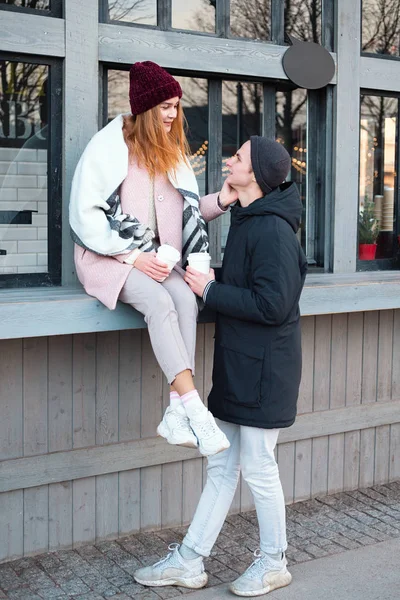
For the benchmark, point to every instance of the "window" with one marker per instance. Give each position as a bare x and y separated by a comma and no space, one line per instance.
234,112
194,103
52,8
241,118
251,19
303,19
140,12
30,167
381,27
196,15
378,223
291,131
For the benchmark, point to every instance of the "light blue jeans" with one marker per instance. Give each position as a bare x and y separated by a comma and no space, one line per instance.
252,452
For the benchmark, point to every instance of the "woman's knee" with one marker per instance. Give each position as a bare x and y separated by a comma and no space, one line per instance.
161,305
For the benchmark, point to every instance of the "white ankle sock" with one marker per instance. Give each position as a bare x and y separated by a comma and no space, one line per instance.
188,553
277,556
174,400
192,403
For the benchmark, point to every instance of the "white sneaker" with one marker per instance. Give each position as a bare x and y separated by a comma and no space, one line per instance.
211,439
175,428
262,576
174,570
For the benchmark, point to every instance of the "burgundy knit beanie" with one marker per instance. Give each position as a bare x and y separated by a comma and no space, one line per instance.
149,85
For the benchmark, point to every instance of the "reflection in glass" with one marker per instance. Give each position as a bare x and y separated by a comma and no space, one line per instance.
142,12
381,26
194,103
291,131
32,4
241,118
23,167
251,19
377,168
196,15
303,19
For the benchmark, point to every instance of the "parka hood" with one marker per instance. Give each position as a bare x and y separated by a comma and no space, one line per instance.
284,201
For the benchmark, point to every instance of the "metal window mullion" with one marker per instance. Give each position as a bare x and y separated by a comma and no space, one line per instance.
268,127
164,14
328,198
278,21
54,174
328,21
57,8
214,161
311,175
223,18
396,224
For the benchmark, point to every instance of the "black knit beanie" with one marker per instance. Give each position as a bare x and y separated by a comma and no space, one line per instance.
270,161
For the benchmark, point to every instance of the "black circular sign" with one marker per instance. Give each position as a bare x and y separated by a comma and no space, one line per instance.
308,65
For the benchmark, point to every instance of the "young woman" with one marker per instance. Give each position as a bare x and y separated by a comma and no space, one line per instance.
134,189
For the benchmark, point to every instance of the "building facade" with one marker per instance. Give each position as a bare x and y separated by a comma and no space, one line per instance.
80,391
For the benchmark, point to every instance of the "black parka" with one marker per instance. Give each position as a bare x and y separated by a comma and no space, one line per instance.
257,359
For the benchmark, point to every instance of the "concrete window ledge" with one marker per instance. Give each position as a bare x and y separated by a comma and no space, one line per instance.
56,311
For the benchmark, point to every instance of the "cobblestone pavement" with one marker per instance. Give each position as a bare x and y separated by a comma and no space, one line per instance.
316,528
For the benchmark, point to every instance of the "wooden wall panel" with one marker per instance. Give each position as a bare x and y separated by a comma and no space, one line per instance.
354,373
70,392
337,400
84,434
321,394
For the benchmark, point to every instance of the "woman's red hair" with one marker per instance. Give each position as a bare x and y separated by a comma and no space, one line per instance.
149,143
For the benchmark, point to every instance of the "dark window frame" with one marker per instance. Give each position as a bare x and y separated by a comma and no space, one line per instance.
56,9
54,178
222,22
393,263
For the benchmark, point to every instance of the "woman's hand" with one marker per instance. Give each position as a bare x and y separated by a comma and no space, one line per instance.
148,263
227,195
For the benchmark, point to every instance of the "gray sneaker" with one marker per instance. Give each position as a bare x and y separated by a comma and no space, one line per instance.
173,570
262,576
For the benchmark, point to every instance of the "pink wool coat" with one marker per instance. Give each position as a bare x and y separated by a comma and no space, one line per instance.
104,276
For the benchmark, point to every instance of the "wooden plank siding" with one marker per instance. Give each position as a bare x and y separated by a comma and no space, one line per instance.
99,397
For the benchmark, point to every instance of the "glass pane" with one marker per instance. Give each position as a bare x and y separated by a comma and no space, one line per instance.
377,175
197,15
241,118
291,131
195,105
381,26
23,167
251,19
31,4
142,12
303,19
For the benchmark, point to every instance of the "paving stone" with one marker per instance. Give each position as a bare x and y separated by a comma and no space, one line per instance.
318,527
89,596
227,575
23,593
74,587
9,580
100,585
167,592
138,592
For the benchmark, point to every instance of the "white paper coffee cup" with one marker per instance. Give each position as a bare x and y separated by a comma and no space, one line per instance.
168,255
200,261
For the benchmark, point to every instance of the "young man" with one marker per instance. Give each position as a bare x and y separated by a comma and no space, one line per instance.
257,367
